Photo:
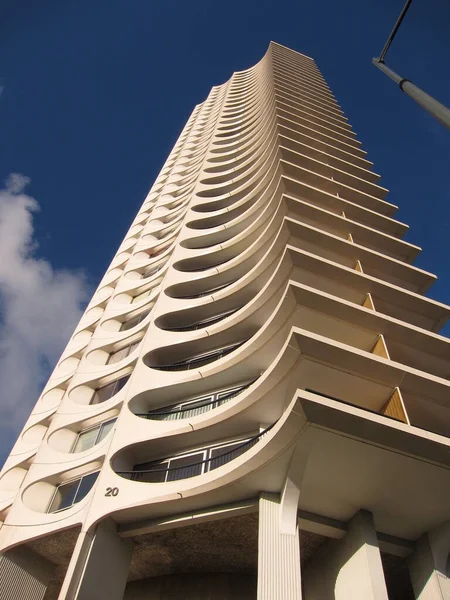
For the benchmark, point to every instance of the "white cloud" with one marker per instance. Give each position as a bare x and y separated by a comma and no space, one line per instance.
39,308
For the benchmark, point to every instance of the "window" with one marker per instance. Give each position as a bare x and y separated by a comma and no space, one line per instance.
133,321
208,292
192,463
211,320
206,322
195,406
105,392
68,494
157,251
206,267
224,454
122,352
162,234
141,296
186,466
89,437
200,359
151,271
169,218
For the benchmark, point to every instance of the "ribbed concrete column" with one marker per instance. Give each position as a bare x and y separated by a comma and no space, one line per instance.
427,569
24,575
99,568
350,568
278,555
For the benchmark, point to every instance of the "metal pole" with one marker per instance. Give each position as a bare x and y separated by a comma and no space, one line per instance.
394,31
435,108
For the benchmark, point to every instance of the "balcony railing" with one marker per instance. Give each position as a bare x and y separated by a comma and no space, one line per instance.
193,463
194,407
206,267
204,322
199,360
208,292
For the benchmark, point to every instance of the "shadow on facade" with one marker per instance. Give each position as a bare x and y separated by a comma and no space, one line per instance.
39,567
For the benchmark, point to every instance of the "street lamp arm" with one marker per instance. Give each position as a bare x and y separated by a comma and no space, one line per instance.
394,31
430,104
434,107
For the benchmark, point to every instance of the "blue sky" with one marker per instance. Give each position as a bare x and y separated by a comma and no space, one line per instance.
95,93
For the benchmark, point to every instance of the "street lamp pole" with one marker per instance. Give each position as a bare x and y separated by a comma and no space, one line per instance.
430,104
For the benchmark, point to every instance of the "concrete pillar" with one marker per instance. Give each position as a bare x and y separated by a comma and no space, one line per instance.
24,575
428,565
99,565
349,568
278,555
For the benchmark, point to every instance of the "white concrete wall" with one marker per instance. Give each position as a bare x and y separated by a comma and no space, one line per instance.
349,568
105,570
428,566
191,586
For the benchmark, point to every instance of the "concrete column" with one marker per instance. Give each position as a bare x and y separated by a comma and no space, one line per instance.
278,555
349,568
428,565
24,575
99,565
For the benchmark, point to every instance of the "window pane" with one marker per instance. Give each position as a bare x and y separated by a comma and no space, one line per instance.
130,323
157,476
64,496
191,409
108,391
144,313
133,347
158,251
86,439
216,318
224,454
121,383
140,297
186,466
150,272
85,486
104,393
117,355
223,397
105,429
122,353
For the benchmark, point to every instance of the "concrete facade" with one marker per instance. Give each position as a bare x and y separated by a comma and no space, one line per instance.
255,402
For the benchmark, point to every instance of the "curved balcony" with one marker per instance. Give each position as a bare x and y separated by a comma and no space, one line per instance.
139,296
158,250
194,406
204,322
150,271
192,463
199,360
212,290
191,265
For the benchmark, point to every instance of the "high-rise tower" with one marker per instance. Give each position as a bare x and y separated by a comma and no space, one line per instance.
255,403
